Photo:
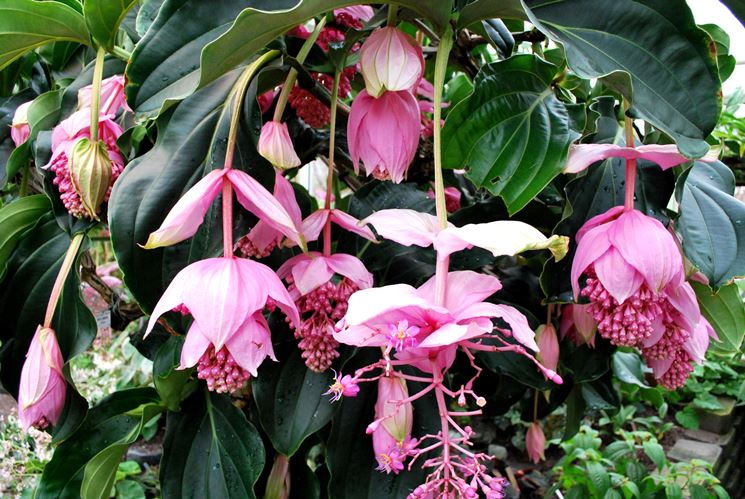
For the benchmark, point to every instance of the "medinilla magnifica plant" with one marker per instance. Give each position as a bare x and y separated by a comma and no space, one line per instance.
356,229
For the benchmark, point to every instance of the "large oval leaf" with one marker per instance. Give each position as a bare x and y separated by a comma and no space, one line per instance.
210,450
25,25
15,219
104,17
674,77
291,402
725,312
712,221
512,134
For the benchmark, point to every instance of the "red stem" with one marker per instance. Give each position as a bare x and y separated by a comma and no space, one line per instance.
227,217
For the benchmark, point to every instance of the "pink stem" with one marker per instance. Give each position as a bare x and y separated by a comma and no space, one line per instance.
441,279
445,427
227,218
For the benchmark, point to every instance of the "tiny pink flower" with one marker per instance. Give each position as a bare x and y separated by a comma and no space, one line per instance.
41,394
112,96
401,335
343,386
384,133
19,128
275,145
535,442
390,60
229,337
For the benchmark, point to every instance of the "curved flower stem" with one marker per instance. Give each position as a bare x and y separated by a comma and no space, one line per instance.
292,74
441,64
628,203
59,283
392,15
330,175
96,92
120,53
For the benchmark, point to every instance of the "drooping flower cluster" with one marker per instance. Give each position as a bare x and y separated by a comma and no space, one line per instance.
85,171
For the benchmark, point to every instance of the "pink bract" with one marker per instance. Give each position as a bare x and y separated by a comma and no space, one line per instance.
41,393
390,61
581,156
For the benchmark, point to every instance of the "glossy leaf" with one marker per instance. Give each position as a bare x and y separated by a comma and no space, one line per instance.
725,312
15,219
712,221
172,384
673,72
25,25
103,18
291,401
738,9
210,450
111,423
512,134
488,9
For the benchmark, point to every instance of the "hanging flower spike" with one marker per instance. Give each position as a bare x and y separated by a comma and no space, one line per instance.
112,96
276,147
229,337
321,300
535,442
354,16
581,156
65,138
41,393
629,260
390,61
384,133
188,213
19,127
578,324
391,433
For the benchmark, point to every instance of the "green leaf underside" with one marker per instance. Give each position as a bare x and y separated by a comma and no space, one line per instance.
673,72
511,134
725,312
104,17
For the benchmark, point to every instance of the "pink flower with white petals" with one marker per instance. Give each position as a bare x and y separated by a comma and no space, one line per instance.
581,156
321,287
188,213
64,138
629,259
112,96
41,393
19,128
229,337
384,133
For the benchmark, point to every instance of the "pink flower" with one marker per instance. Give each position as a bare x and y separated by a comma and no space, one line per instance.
19,128
394,419
64,138
436,330
452,198
581,156
276,146
384,133
354,16
229,337
112,96
188,213
41,394
629,260
343,386
548,346
321,300
578,324
391,61
535,442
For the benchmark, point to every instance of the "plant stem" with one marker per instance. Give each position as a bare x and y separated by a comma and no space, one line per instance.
441,63
392,15
23,189
59,283
444,426
628,203
330,175
96,92
120,53
292,75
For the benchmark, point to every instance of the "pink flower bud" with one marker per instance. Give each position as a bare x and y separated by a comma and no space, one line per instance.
112,96
390,60
535,442
90,173
384,133
399,417
19,129
276,146
578,324
548,345
41,394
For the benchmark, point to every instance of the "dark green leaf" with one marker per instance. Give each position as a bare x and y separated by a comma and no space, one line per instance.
672,69
146,15
599,477
712,221
738,9
25,25
172,384
488,9
512,134
210,450
291,401
103,18
655,452
725,312
628,367
15,219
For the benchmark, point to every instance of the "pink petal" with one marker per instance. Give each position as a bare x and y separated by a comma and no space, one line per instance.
172,297
503,237
450,334
352,268
266,280
262,235
195,345
683,299
256,199
348,222
464,288
407,227
597,220
360,336
698,341
518,324
618,277
188,213
660,367
285,194
388,305
593,245
310,274
251,345
313,224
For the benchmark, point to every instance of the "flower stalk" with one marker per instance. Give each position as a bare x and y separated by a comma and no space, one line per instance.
96,92
59,283
630,163
330,175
